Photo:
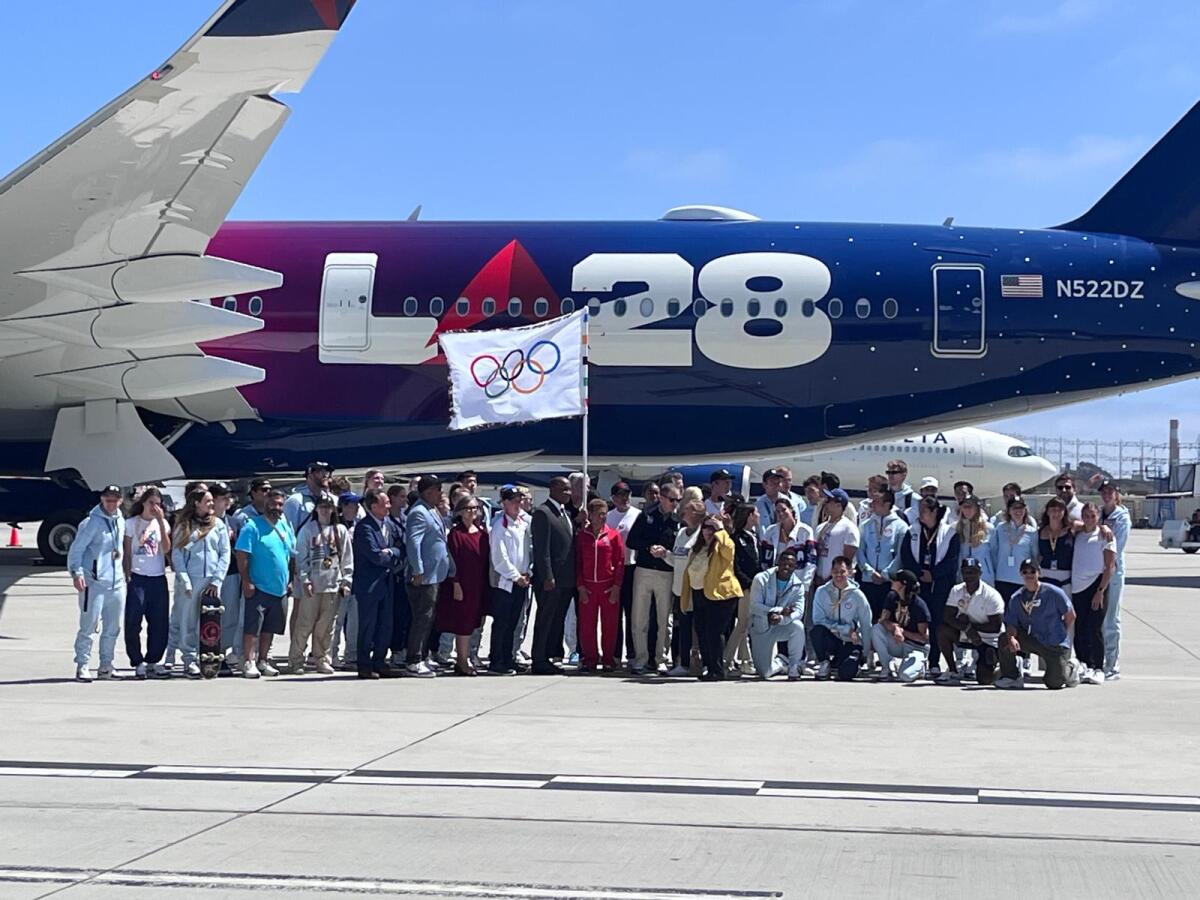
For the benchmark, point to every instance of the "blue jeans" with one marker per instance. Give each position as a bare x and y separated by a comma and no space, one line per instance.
232,625
1112,623
103,604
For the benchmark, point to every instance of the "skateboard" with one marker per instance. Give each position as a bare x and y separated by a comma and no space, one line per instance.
210,636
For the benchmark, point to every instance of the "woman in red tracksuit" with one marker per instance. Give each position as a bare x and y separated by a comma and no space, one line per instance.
600,569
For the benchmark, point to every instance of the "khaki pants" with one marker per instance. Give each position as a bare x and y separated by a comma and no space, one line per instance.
651,584
739,642
315,617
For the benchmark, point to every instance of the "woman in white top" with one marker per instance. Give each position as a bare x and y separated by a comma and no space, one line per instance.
788,532
692,514
1092,567
147,546
836,536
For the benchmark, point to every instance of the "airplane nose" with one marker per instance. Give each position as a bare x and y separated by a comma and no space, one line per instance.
1046,468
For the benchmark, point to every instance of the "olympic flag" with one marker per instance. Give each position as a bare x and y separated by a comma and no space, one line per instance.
515,375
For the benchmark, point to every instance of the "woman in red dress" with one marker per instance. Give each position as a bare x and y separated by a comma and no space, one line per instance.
461,604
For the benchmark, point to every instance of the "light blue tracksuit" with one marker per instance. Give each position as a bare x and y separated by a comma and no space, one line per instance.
983,553
96,555
1008,545
852,613
879,546
199,561
766,597
1119,521
233,620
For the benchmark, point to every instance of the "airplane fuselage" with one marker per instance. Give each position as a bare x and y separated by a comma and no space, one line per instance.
709,339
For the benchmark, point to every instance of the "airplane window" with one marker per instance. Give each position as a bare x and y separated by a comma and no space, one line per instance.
410,306
541,306
647,307
514,307
835,308
754,308
726,307
891,308
620,307
1019,452
437,306
700,307
255,306
489,306
230,304
672,307
568,306
463,306
862,308
780,308
594,307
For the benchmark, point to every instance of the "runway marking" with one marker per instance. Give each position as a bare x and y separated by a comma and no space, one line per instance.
633,784
325,884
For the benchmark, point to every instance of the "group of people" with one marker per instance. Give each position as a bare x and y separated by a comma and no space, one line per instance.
693,583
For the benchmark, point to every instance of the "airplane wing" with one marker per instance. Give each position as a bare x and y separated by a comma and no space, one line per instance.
105,231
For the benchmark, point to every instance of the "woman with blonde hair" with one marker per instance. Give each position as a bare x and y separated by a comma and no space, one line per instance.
974,531
200,556
714,585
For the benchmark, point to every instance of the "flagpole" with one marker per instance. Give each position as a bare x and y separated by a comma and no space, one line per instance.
586,405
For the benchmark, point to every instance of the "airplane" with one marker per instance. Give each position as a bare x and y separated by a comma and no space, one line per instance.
143,337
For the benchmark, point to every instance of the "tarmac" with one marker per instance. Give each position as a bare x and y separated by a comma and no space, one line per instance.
599,788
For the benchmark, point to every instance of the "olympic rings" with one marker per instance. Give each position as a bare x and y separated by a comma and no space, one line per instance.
496,377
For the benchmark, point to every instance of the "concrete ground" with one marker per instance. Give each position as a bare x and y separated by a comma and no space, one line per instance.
586,788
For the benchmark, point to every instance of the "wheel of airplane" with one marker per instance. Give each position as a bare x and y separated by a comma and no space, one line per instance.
56,534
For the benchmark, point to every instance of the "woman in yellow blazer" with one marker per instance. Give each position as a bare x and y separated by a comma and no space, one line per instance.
711,564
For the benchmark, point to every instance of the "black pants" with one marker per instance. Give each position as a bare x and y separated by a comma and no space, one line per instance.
374,630
147,598
625,632
401,614
422,602
712,620
1089,627
506,610
875,594
549,617
681,635
845,656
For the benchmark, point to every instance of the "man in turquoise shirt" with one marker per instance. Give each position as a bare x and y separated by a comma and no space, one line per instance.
266,551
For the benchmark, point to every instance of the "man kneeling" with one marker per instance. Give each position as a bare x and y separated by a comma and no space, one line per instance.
777,614
841,631
1038,620
901,636
974,611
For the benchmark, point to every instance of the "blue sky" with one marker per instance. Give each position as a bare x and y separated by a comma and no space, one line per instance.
998,113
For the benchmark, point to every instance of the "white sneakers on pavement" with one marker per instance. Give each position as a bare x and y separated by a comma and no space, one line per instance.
324,668
249,670
106,673
84,674
949,677
192,670
1091,676
420,670
265,668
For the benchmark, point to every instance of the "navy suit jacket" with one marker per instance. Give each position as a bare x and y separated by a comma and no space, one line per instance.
373,568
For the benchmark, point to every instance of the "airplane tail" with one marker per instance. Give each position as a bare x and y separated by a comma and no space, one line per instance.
1159,198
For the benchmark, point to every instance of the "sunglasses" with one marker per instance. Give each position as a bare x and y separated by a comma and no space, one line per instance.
670,499
1062,487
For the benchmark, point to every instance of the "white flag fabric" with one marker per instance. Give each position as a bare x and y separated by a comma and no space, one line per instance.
516,374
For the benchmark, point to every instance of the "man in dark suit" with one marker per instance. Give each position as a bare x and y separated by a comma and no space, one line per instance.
376,560
554,575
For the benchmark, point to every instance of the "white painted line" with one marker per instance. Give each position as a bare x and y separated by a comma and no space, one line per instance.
907,796
221,770
639,781
371,886
67,773
440,782
1080,797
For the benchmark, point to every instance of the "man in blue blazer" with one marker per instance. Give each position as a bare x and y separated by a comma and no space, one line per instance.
429,564
376,560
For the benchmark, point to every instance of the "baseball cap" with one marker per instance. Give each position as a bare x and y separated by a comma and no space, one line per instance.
326,499
425,482
218,489
720,474
257,484
508,492
349,497
971,563
317,464
621,487
929,482
1107,485
1028,564
772,473
110,489
839,496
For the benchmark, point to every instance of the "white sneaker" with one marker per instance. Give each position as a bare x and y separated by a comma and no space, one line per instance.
192,670
1112,674
661,669
160,671
106,673
249,670
324,668
1009,684
420,670
265,668
1093,676
140,672
83,673
949,677
823,670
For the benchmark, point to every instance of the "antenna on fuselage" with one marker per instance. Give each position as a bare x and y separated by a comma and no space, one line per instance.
415,214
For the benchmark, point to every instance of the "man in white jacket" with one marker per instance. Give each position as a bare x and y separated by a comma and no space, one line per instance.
325,568
511,549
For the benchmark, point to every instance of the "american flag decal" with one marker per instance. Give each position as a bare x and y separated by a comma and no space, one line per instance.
1021,286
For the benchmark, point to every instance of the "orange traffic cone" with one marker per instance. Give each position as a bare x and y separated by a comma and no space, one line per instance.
14,539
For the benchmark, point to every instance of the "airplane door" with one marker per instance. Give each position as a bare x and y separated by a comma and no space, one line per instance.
972,451
346,300
959,311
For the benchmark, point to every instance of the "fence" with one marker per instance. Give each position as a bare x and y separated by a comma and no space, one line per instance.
1123,459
